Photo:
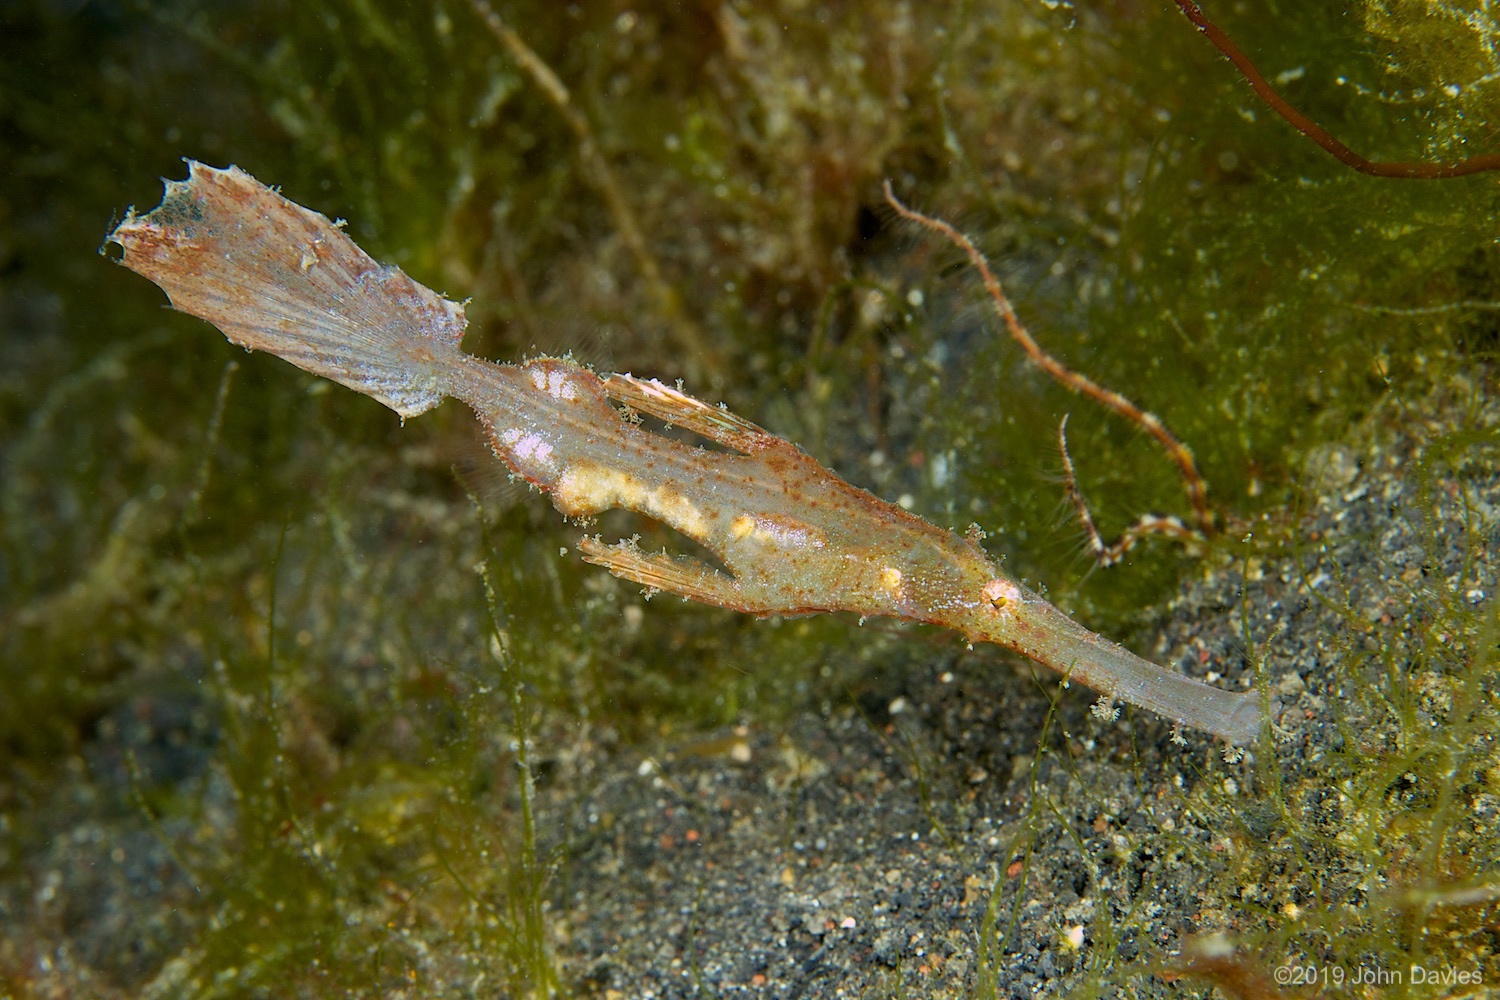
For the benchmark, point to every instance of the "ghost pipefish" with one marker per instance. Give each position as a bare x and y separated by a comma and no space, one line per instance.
795,538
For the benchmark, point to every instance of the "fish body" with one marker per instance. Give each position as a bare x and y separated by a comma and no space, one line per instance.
792,537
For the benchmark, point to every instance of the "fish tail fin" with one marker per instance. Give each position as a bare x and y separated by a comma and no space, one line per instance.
274,276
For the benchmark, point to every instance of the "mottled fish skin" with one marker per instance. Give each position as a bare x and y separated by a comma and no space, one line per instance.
794,537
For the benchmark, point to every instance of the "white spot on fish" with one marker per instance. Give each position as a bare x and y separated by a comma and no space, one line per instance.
779,530
586,489
554,382
532,446
559,386
532,449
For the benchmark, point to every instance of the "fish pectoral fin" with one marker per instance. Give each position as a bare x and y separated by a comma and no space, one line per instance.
681,410
682,575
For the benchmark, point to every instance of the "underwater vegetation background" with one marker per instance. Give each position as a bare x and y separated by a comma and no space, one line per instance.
298,701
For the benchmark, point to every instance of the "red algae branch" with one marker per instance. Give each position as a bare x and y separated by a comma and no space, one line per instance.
1397,169
794,537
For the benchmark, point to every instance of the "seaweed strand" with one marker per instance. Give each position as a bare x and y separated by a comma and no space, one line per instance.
689,337
1178,452
1402,169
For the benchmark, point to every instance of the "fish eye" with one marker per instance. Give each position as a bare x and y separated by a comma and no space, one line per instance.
1001,594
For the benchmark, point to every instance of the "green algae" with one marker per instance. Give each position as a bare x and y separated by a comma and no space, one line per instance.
363,805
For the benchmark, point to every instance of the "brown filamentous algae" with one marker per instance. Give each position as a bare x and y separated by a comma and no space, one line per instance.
795,538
